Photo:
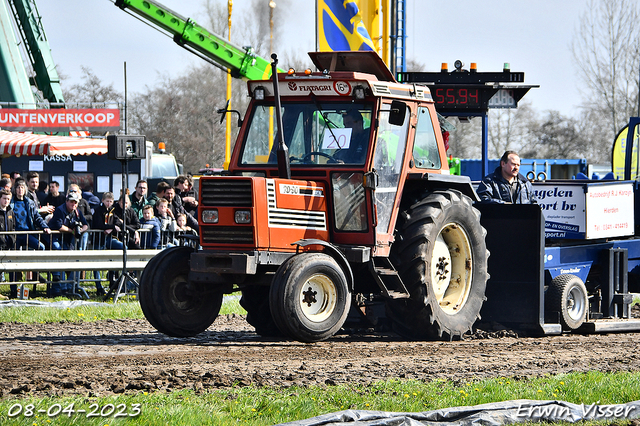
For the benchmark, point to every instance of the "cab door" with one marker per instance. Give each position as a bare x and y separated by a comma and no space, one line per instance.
388,163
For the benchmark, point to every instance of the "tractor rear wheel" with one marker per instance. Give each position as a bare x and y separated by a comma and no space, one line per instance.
309,297
441,256
170,302
567,295
255,300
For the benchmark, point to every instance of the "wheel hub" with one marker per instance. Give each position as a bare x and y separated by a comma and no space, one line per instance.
451,271
309,297
575,304
441,268
318,298
184,296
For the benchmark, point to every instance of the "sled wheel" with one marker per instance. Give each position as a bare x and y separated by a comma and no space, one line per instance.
567,295
309,297
255,300
441,256
172,304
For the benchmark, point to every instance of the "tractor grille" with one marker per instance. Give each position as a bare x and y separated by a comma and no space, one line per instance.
227,234
226,193
289,218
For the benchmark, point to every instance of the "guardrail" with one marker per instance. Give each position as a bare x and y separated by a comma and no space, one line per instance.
93,258
73,260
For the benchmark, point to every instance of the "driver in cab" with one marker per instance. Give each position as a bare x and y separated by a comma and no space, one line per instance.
357,150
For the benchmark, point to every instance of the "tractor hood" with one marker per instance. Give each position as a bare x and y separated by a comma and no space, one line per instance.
355,61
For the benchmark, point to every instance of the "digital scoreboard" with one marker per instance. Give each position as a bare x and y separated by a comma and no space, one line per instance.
457,96
471,92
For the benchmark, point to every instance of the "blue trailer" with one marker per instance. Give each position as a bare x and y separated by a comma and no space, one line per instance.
570,263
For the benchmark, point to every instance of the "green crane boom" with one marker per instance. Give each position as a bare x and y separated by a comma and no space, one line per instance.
32,32
242,62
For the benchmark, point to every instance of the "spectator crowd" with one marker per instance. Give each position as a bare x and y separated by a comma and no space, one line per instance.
31,209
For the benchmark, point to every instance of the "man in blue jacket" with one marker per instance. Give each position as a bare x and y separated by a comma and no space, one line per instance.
27,218
506,185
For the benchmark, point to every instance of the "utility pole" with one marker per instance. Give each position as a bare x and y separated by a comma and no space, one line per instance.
227,140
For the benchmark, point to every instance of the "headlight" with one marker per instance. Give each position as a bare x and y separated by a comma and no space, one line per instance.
243,216
210,216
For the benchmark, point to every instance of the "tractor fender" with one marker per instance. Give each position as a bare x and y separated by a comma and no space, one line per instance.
334,252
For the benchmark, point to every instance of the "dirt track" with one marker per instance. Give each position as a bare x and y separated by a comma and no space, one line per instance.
116,356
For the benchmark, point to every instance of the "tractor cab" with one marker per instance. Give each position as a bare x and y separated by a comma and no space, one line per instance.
354,143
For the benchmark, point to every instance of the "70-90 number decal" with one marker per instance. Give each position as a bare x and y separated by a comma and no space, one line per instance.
289,189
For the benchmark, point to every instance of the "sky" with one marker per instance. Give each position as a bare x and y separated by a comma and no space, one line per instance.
533,37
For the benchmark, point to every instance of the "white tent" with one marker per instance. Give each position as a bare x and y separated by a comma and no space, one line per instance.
17,144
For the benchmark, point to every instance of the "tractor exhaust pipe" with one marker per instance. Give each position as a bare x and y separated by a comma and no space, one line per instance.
282,152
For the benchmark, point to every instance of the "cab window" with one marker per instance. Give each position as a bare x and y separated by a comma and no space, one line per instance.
317,133
425,147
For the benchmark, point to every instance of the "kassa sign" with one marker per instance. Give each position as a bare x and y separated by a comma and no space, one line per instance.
60,120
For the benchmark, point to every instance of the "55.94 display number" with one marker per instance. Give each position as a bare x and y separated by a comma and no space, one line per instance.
94,410
457,97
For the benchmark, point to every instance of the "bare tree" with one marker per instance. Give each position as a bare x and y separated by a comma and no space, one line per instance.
598,137
555,136
605,48
182,112
466,140
92,89
509,128
414,65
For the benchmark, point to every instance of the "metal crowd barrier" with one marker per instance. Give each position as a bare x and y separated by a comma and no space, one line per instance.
73,260
93,258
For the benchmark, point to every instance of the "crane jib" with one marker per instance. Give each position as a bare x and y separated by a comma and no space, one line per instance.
241,61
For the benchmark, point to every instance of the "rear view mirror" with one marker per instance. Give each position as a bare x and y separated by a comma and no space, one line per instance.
223,113
398,113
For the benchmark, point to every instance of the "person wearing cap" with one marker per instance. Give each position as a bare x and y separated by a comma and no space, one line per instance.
71,223
85,209
68,219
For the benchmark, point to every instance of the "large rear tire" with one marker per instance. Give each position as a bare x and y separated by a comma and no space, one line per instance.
441,256
567,295
309,297
255,300
172,304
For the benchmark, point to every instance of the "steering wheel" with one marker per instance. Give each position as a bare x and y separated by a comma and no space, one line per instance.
308,156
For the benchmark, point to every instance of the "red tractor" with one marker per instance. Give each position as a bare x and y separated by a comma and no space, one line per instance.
338,199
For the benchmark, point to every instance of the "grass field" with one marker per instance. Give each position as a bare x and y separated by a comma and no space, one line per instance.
267,406
126,308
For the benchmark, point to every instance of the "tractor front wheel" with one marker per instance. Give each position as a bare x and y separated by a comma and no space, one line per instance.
309,297
170,302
